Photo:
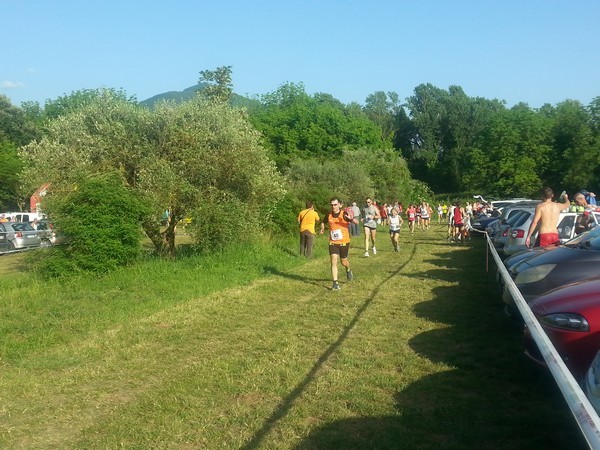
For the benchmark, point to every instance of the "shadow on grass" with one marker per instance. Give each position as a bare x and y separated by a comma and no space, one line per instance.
291,276
489,396
289,400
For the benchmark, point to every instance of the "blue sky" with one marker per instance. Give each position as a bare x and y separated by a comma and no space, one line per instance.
514,50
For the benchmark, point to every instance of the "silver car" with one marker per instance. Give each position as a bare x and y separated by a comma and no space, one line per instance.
18,236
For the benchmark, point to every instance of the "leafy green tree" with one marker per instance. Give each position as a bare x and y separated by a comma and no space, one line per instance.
358,173
76,100
15,126
11,167
170,155
576,146
385,110
218,84
446,123
428,110
510,154
295,124
594,111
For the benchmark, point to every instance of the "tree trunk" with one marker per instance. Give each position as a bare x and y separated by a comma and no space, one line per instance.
168,237
152,230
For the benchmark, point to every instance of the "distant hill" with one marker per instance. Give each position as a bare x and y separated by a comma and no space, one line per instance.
189,93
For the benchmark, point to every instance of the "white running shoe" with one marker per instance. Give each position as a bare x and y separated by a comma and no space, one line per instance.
366,254
374,251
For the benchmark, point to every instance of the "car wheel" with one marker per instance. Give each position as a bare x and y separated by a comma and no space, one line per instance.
45,243
11,246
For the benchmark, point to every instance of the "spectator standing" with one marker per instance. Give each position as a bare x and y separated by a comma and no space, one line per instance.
545,219
307,219
355,227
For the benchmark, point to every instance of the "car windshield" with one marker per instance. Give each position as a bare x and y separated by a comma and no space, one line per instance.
514,218
584,237
522,219
22,226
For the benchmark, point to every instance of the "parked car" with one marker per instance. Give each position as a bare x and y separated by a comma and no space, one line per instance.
18,235
46,231
510,202
482,223
544,272
591,383
501,236
508,212
514,260
522,222
570,316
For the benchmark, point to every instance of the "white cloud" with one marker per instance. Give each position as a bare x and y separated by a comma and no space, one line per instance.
7,84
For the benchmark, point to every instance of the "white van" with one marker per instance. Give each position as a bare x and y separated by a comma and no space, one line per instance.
23,216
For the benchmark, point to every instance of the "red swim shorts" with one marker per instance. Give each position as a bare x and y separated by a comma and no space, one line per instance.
549,239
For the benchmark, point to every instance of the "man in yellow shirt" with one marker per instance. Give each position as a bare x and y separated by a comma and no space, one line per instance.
307,219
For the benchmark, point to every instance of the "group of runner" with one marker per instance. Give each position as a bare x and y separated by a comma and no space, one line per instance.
459,221
344,222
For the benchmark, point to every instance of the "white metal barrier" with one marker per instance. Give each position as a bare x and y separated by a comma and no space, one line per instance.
582,410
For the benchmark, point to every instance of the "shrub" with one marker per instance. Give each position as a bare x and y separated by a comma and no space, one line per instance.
100,221
221,219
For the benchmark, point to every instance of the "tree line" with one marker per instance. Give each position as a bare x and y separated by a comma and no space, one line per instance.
209,160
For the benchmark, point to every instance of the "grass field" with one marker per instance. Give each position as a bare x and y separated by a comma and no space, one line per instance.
251,349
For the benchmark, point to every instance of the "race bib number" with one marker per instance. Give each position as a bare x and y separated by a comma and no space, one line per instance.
336,235
394,227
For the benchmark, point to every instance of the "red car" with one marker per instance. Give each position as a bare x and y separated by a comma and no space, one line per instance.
570,316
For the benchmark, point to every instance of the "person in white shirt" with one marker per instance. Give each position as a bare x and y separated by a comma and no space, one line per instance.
370,215
394,221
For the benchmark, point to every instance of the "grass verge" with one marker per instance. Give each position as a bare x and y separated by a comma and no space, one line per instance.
251,349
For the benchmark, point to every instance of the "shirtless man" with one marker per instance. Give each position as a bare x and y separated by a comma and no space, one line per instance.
546,216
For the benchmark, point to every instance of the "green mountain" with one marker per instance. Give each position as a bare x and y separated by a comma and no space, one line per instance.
189,93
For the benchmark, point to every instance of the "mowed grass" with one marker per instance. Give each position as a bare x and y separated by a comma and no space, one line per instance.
251,349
